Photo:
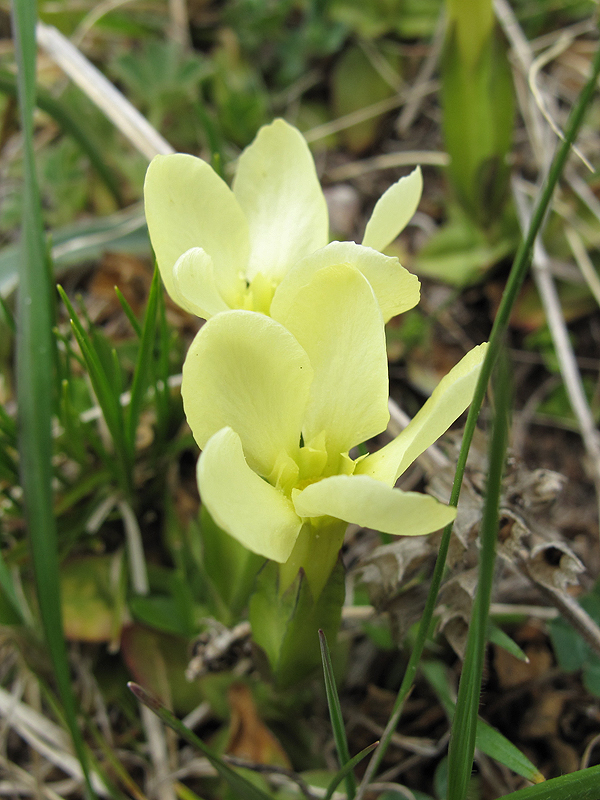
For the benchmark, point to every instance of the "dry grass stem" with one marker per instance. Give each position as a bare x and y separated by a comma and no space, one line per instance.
564,350
407,158
415,94
133,125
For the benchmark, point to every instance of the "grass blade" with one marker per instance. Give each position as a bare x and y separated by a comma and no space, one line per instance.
515,280
347,769
464,724
488,739
7,586
243,788
582,785
8,316
335,714
144,361
128,312
57,110
107,393
35,382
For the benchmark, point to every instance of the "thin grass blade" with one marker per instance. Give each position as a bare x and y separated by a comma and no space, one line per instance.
7,587
517,275
497,636
35,382
347,769
582,785
488,739
128,312
144,361
335,714
163,400
464,723
243,788
107,394
108,399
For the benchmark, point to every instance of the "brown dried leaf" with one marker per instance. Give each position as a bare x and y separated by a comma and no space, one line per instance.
249,737
554,565
512,671
542,718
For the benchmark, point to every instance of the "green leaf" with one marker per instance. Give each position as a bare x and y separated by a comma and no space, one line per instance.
244,789
286,625
8,315
335,715
161,612
459,252
35,383
571,650
494,744
92,593
128,312
478,104
356,84
503,640
8,594
582,785
231,568
84,240
487,739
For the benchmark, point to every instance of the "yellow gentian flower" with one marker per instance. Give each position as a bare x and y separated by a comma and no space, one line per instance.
277,403
219,248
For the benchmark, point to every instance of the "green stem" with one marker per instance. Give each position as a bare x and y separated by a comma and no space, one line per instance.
515,280
464,723
35,384
316,552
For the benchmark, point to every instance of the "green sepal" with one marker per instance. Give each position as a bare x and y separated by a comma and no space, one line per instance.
286,625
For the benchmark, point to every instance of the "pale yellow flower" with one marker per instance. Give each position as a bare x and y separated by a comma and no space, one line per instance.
277,403
219,248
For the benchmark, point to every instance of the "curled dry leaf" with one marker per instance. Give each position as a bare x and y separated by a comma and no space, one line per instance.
454,608
554,565
528,544
391,565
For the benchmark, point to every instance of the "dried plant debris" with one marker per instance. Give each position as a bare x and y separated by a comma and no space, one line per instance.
219,648
535,557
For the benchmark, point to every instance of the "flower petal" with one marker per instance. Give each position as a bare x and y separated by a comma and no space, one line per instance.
449,399
337,321
393,211
243,504
194,286
277,186
395,288
188,205
246,371
372,504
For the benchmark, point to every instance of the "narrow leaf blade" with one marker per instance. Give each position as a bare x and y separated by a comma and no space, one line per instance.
335,714
243,788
